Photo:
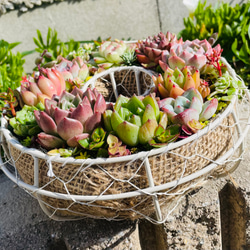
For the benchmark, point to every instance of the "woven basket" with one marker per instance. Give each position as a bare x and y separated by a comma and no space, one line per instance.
104,188
97,178
122,80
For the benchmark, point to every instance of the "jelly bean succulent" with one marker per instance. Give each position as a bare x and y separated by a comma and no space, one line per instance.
71,118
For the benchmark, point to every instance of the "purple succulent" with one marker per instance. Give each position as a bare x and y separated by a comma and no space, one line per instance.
70,118
150,50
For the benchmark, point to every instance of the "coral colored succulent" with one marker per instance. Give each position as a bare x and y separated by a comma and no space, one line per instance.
173,83
110,53
189,109
71,118
151,50
35,89
138,120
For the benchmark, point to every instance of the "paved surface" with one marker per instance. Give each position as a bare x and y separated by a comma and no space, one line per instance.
23,225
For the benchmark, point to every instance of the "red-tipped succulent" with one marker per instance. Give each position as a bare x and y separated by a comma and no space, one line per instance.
189,109
173,83
196,53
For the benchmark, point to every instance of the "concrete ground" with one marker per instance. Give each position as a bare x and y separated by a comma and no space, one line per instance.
23,225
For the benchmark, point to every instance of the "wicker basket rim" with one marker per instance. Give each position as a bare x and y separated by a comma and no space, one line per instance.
37,153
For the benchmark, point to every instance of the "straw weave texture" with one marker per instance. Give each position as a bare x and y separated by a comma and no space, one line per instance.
124,177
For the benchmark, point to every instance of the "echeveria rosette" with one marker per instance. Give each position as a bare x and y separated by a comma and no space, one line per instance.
138,121
196,53
150,51
63,75
36,89
188,110
75,72
111,54
71,118
173,83
226,87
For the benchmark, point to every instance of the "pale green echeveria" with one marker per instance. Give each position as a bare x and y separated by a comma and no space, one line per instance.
110,53
138,121
189,107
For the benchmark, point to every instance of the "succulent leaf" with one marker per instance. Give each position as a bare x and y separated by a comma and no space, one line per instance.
186,116
68,127
49,141
149,99
93,122
149,113
46,86
115,120
47,124
147,131
107,120
208,109
128,133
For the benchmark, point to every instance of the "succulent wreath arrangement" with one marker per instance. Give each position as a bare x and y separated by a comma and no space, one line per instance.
87,146
50,111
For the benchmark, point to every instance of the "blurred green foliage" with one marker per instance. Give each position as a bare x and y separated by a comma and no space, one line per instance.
11,66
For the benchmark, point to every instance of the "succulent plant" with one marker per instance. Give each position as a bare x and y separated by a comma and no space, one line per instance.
8,103
195,53
75,72
115,147
24,123
173,83
49,82
151,50
70,118
111,53
138,121
188,109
